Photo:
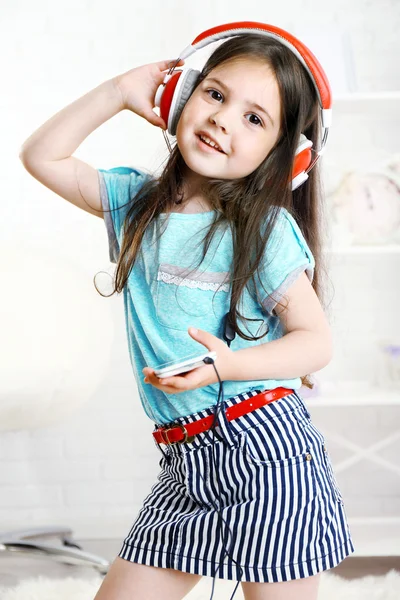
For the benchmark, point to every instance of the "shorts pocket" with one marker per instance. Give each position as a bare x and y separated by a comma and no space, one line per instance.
253,454
331,476
290,480
188,297
277,442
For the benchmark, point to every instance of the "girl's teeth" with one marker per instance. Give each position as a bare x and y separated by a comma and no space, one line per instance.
210,143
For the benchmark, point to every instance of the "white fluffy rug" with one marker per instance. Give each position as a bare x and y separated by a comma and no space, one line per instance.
332,587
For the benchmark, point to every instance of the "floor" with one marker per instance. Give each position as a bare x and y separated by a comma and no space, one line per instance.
15,567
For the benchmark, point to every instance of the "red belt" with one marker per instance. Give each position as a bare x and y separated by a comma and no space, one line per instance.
185,433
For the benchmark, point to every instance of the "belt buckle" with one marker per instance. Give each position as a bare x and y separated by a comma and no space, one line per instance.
187,438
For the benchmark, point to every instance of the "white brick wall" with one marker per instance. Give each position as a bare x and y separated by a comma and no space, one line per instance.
93,471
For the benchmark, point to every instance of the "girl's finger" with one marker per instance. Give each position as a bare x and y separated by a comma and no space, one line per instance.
173,384
154,119
166,64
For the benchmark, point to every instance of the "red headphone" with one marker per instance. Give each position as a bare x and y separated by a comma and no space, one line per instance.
177,87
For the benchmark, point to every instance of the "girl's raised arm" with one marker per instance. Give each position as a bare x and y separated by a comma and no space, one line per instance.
46,154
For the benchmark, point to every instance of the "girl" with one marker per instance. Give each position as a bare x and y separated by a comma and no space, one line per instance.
246,490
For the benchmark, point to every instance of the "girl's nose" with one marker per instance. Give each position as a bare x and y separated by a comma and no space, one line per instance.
220,120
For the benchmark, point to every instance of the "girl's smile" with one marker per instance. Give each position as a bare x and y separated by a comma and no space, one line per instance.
206,147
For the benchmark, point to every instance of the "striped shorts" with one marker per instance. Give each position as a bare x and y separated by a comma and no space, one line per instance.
255,499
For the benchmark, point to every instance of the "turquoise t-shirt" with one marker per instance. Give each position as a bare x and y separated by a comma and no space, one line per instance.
161,301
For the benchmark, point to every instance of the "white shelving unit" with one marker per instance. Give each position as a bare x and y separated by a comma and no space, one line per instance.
365,461
385,107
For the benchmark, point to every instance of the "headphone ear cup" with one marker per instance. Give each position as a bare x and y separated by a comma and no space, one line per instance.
301,162
183,90
165,94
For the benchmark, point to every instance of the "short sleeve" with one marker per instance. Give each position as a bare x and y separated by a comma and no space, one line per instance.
287,255
117,188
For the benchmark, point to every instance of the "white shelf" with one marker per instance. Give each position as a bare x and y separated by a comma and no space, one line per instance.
355,395
384,105
372,249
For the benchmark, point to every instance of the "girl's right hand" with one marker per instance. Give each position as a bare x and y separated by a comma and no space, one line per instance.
138,88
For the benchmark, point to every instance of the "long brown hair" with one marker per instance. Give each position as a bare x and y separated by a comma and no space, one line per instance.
249,205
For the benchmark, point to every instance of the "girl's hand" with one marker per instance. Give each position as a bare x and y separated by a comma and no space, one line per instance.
138,89
201,376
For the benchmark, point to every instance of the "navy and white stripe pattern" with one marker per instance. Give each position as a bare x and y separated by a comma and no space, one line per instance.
269,475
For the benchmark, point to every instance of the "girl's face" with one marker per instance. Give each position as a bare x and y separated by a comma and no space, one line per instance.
226,111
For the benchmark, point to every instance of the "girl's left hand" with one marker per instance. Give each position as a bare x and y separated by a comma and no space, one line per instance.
201,376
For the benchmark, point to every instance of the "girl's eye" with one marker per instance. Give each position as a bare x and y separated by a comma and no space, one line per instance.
259,120
212,91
